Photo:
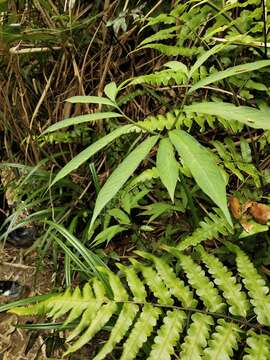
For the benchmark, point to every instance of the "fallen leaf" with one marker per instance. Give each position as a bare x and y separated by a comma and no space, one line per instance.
260,213
246,225
235,207
247,205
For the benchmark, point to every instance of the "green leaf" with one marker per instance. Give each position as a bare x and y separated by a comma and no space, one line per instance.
111,91
167,166
255,228
83,156
80,120
91,100
205,56
203,168
255,118
121,175
107,234
235,70
177,66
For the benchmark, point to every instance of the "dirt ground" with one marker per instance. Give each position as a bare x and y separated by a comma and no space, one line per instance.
16,267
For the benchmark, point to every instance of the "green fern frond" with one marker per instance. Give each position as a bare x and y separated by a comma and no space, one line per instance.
223,341
160,122
167,335
237,162
173,50
123,323
176,286
198,280
145,176
142,307
163,77
154,282
258,347
225,281
209,228
255,284
197,336
163,34
140,332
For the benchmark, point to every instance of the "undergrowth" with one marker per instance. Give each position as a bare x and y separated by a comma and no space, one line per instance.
140,163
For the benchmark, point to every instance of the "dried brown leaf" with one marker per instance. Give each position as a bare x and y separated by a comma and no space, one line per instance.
260,213
235,207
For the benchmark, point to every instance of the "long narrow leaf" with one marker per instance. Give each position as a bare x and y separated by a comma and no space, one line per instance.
235,70
205,56
81,119
255,118
202,167
91,100
90,151
167,166
92,260
121,175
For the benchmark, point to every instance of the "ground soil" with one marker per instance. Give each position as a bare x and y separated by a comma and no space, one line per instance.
17,267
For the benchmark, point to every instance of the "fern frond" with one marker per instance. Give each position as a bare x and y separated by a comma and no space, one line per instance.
197,335
134,321
204,288
154,282
163,77
235,161
135,284
258,347
167,335
223,341
225,280
146,175
123,323
163,34
172,50
255,284
161,122
176,286
140,332
210,228
103,315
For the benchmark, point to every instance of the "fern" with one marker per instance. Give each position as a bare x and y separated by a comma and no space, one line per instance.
152,305
163,77
209,229
258,347
237,162
197,336
257,289
223,341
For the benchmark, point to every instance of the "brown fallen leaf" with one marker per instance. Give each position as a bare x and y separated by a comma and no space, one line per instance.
235,207
247,205
245,224
260,213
